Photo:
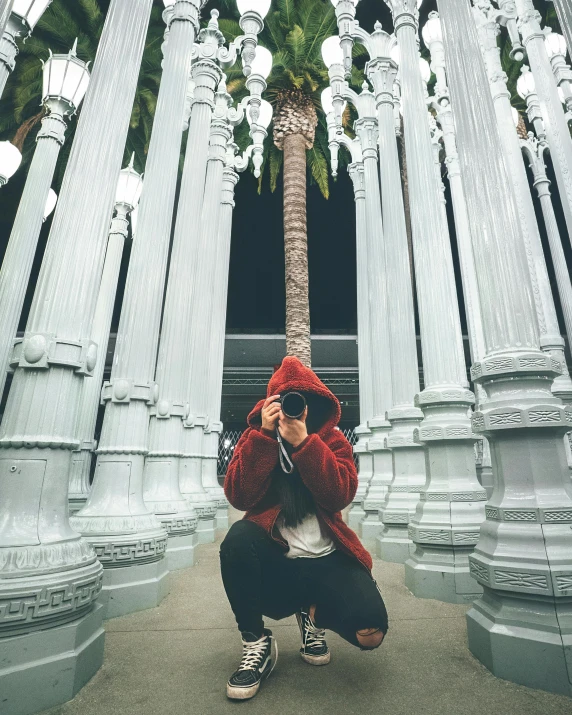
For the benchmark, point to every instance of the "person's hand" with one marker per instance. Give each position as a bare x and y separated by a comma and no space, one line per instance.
293,431
271,411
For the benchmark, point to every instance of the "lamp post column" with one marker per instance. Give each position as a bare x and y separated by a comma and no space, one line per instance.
556,126
167,431
393,544
366,130
49,576
81,459
365,365
8,49
550,339
130,540
5,10
523,559
564,12
446,524
217,338
19,256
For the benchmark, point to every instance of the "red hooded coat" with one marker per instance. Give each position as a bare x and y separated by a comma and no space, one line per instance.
324,460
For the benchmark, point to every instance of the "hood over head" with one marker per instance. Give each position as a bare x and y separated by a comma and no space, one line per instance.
324,409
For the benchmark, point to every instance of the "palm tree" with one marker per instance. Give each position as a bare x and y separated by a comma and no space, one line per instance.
294,32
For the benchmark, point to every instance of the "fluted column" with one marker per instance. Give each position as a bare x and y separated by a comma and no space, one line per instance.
393,544
19,256
130,540
366,131
556,126
8,49
564,12
216,342
177,338
49,576
365,362
550,339
520,627
446,523
79,486
5,10
201,423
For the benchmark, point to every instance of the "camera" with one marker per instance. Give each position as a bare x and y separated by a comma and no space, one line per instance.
293,404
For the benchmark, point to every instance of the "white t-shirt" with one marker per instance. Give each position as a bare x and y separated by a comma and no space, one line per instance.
306,540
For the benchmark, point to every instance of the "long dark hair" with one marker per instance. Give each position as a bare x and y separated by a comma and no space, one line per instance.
295,498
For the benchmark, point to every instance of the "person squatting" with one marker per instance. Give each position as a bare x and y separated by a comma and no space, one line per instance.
293,473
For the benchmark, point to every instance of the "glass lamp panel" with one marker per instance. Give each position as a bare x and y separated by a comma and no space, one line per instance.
259,6
395,54
30,10
262,63
555,44
72,80
82,89
515,116
58,64
327,101
129,187
432,31
525,84
332,52
51,202
425,70
265,117
10,159
335,2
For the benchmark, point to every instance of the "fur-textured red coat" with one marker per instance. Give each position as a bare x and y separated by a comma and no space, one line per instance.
324,460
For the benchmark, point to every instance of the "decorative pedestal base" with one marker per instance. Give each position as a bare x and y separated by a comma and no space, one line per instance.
355,516
369,529
539,657
180,552
206,531
441,574
134,588
221,519
47,668
75,504
394,544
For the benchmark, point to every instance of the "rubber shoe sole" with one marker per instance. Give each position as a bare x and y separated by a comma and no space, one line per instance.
316,659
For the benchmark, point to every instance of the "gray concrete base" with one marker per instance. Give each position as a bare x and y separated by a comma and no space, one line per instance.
535,653
221,519
369,529
355,516
206,531
394,544
47,668
128,589
441,574
181,551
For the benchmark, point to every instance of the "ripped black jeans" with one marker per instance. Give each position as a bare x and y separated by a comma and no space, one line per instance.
261,581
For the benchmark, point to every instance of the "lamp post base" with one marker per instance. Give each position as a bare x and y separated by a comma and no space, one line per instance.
441,574
356,515
181,551
130,589
221,519
393,544
206,531
370,527
536,653
58,661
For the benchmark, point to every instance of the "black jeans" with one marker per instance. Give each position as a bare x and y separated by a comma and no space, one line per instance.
261,581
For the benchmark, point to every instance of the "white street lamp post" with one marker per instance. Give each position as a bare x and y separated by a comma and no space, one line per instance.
5,10
365,362
10,160
127,197
550,339
366,130
49,576
185,300
446,523
523,559
133,541
556,50
551,109
408,456
209,328
65,82
25,14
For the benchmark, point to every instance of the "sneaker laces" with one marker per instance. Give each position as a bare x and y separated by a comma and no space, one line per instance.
253,653
314,637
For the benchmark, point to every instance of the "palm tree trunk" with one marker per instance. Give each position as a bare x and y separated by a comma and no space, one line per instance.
25,128
296,250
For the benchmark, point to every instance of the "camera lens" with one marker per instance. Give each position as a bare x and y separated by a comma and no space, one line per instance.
293,404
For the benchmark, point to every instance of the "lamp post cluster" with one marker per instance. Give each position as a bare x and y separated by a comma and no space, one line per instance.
511,553
155,493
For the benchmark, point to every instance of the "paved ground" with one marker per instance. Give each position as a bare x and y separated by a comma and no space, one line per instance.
177,658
